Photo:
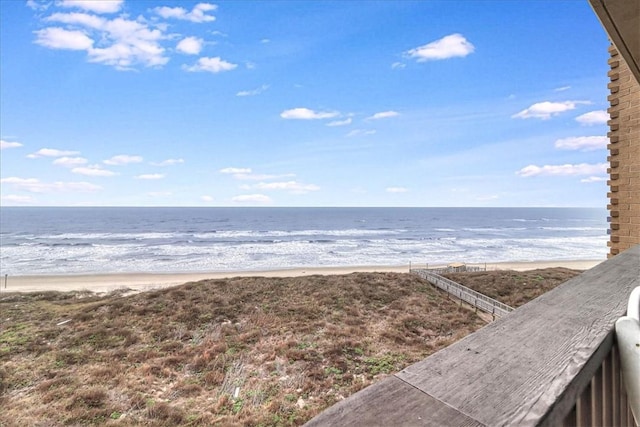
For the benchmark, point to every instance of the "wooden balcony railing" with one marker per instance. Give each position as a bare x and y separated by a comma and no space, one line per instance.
551,362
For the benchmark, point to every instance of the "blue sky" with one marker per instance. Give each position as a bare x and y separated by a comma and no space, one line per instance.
294,103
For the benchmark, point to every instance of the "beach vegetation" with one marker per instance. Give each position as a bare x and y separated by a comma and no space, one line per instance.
242,351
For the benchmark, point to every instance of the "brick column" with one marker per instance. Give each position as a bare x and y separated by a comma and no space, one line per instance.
624,156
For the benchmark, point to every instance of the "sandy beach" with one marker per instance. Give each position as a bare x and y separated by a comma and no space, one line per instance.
148,281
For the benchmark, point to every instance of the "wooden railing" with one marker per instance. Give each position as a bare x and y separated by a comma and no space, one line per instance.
550,362
476,299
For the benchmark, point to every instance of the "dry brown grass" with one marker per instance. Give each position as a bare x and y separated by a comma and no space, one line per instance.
245,351
514,288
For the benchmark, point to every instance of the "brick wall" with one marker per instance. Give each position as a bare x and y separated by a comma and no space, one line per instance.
624,156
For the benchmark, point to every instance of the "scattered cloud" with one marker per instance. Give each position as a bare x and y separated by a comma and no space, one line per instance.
211,65
253,92
207,199
562,89
122,159
451,46
383,115
246,174
14,198
545,110
398,65
344,122
583,143
190,45
168,162
7,144
38,6
397,190
51,152
307,114
563,170
198,14
252,198
93,170
264,41
119,42
598,117
487,198
96,6
59,38
292,186
160,193
34,185
360,132
150,176
70,162
593,179
235,171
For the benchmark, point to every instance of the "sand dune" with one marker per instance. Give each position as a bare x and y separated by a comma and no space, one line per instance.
147,281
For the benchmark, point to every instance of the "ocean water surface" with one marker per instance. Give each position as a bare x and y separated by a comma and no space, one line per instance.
129,240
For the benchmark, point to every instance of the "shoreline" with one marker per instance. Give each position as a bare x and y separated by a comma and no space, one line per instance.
107,282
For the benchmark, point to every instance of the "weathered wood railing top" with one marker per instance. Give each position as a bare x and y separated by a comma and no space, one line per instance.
527,368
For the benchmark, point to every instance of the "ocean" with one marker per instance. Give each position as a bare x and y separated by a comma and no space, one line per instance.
171,240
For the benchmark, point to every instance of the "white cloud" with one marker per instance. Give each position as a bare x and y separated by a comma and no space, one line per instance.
34,185
383,115
562,89
264,41
563,170
129,43
120,42
211,65
252,198
361,132
77,18
584,143
70,161
398,65
344,122
59,38
190,45
14,198
261,177
453,45
93,170
246,174
545,110
6,144
168,162
150,176
51,152
207,199
97,6
38,6
397,190
235,171
198,13
253,92
487,198
598,117
122,159
307,114
593,179
292,186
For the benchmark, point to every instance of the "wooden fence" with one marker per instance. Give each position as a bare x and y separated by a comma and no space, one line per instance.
476,299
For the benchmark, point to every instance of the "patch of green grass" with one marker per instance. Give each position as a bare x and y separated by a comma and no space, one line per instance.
385,364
